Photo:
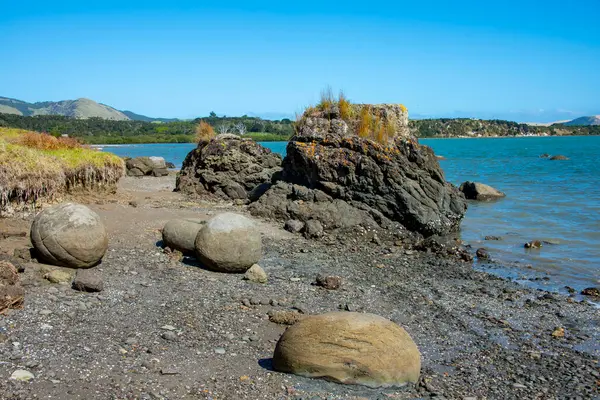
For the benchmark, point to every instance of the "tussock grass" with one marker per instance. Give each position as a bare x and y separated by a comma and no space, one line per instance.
35,165
368,122
204,132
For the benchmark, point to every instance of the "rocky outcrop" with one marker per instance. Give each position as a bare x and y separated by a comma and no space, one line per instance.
351,348
69,235
333,175
229,167
480,192
142,166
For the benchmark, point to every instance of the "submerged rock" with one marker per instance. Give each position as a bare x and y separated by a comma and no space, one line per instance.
351,348
534,244
559,157
479,191
228,166
332,175
591,291
69,235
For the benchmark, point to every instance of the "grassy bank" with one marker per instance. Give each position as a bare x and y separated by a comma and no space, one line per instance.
35,165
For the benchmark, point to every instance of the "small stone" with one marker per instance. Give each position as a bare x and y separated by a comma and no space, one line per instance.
285,317
331,282
294,279
482,254
52,290
255,301
534,244
559,332
45,312
169,335
58,276
168,327
519,386
169,371
87,280
493,237
293,225
256,274
22,375
313,229
591,291
246,302
220,350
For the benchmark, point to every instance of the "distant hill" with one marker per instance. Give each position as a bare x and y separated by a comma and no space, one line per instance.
80,109
138,117
584,121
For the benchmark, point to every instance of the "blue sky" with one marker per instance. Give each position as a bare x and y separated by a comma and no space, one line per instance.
521,60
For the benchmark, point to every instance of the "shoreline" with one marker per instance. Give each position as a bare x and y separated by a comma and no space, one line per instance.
479,335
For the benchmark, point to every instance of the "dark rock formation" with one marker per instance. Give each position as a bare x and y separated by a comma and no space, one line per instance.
479,191
229,167
142,166
559,157
340,179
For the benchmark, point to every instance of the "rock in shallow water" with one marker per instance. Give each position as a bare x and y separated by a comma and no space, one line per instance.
229,243
69,235
349,347
479,191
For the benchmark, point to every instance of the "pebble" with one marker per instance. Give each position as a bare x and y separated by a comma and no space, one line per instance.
220,350
246,302
169,335
168,327
52,290
45,312
22,375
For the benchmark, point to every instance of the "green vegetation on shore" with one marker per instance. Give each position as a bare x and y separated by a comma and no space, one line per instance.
36,165
100,131
466,127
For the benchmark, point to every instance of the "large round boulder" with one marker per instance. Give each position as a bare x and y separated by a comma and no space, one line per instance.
180,234
229,243
348,347
69,235
479,191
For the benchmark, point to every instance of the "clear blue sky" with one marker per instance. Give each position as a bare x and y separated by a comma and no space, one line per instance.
522,60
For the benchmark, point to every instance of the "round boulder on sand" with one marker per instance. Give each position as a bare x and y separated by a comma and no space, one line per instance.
229,243
180,234
69,235
348,347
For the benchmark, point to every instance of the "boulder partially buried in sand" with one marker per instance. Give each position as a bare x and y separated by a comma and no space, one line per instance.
348,347
479,191
180,234
229,243
69,235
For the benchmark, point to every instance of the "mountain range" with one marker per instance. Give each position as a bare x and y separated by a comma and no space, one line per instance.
80,108
85,108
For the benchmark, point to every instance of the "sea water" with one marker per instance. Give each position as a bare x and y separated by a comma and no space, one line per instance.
554,201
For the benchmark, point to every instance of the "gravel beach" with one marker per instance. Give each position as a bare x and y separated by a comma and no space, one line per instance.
165,328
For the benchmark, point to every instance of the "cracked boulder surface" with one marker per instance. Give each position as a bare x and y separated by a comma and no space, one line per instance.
328,170
229,167
69,235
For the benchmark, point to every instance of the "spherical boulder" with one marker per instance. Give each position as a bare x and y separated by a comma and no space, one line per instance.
351,348
229,243
69,235
180,234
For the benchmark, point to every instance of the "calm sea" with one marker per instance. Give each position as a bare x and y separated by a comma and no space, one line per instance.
553,201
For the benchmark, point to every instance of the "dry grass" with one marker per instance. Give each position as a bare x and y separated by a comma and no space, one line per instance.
365,122
346,110
34,165
204,132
